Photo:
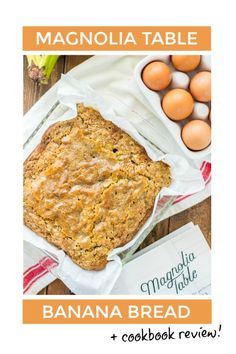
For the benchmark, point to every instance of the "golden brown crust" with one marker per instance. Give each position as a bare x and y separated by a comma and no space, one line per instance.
89,187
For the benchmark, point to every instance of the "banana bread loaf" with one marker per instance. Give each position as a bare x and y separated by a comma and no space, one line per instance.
89,187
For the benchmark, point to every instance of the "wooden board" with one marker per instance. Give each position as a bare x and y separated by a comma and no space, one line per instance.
199,214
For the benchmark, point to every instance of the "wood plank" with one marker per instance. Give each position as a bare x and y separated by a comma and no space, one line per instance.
43,292
57,287
73,60
199,214
160,230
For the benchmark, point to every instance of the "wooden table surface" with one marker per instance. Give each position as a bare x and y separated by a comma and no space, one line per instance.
199,214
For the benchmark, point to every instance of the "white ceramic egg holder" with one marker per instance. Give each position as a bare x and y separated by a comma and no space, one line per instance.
179,80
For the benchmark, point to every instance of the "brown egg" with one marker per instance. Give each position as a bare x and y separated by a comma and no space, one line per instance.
185,62
177,104
200,86
196,135
156,75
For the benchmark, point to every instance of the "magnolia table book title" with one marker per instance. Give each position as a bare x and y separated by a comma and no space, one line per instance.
101,38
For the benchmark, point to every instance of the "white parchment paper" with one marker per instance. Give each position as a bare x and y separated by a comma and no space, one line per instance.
185,180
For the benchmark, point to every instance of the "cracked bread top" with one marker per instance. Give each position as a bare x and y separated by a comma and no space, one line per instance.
89,187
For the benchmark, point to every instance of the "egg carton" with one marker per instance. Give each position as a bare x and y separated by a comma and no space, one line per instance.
179,80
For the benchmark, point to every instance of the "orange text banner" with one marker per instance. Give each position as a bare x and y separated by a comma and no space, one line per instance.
131,38
116,311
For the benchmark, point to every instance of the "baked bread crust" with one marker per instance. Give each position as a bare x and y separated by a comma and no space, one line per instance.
89,187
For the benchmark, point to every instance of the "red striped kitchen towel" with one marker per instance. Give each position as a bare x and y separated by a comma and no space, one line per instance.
37,269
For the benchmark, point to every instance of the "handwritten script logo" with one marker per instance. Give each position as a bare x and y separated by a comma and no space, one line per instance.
178,277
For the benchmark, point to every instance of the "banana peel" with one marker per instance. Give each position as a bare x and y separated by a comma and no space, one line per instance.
40,67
